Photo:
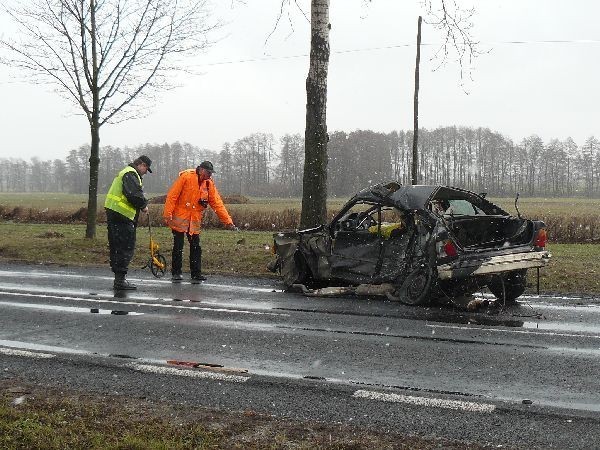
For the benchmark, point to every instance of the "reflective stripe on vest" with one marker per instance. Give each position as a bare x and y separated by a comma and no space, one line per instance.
116,200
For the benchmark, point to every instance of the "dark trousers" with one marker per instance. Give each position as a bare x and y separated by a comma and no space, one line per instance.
195,253
121,242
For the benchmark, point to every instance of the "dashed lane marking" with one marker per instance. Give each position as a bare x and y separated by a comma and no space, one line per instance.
25,353
147,368
426,401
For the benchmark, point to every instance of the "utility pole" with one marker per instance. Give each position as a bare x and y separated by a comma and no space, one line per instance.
415,157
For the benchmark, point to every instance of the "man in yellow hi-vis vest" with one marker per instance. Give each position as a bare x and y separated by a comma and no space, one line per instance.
124,201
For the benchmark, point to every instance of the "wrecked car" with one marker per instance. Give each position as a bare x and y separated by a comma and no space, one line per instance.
425,242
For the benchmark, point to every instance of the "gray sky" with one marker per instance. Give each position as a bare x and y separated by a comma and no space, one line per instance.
245,85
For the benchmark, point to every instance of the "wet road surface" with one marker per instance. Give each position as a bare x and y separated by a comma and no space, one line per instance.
539,360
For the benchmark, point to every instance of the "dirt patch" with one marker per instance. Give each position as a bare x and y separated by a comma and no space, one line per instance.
7,252
51,235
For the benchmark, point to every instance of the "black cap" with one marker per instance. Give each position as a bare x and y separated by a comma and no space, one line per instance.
146,161
207,165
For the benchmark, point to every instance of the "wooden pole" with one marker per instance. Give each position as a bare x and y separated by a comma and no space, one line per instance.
415,157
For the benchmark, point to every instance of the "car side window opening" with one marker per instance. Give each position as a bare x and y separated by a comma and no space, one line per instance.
372,219
356,218
455,207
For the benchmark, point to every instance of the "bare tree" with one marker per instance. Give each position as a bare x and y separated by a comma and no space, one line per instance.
454,23
314,182
107,57
445,15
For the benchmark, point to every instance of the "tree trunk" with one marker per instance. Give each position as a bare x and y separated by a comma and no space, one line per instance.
314,193
94,119
415,157
94,160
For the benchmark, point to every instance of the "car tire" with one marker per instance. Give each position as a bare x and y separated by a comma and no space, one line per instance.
416,289
509,286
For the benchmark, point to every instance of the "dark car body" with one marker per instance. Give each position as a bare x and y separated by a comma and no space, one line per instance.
426,241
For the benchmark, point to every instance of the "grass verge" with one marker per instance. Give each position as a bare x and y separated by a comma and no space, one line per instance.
32,417
573,268
223,252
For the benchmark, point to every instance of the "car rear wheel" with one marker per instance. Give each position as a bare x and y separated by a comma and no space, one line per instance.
416,287
509,286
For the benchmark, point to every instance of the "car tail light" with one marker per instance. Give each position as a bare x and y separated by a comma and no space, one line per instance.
447,248
541,238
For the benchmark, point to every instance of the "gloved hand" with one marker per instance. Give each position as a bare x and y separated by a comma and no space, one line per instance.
232,227
203,203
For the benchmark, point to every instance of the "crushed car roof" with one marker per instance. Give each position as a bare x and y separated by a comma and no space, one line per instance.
412,197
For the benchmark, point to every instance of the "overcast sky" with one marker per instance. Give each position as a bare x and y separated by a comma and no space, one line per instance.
525,84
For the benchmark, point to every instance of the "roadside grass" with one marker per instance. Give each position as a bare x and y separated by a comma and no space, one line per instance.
573,268
223,252
48,419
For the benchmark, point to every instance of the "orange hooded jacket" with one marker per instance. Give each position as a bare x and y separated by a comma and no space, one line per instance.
183,211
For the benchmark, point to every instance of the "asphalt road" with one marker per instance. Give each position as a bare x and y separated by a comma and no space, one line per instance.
525,376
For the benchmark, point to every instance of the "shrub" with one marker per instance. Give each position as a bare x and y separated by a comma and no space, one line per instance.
562,228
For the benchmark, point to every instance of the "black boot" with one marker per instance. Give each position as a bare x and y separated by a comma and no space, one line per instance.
122,284
176,277
197,278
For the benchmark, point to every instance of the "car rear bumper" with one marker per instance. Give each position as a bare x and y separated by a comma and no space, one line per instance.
465,267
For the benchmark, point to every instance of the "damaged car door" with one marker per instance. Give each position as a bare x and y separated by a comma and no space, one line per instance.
355,249
369,243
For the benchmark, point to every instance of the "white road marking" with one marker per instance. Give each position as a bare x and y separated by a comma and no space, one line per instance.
154,305
74,309
547,333
426,401
228,287
565,307
25,353
188,373
41,347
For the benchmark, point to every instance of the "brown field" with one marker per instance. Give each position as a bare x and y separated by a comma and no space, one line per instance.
569,220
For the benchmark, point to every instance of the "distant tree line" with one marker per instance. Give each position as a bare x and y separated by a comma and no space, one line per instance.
259,165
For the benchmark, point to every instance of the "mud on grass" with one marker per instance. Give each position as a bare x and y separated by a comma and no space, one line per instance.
33,417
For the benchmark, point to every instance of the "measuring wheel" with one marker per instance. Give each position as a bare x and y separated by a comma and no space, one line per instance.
158,265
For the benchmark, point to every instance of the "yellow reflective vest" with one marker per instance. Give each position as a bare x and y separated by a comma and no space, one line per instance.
116,200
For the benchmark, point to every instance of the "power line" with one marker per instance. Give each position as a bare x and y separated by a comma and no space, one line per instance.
391,47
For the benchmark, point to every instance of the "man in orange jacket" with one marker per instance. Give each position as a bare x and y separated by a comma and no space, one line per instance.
186,201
